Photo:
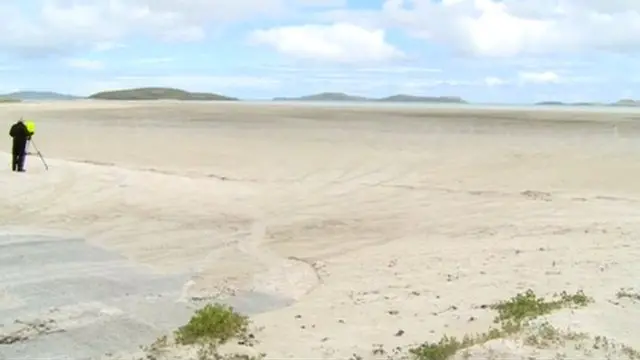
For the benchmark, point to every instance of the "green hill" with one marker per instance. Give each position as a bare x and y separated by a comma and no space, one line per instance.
626,102
334,96
560,103
325,96
6,100
158,93
551,103
39,96
423,99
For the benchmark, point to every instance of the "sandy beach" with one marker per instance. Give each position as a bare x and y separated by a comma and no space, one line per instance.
336,229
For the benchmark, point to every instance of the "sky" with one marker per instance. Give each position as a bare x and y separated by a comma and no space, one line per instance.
487,51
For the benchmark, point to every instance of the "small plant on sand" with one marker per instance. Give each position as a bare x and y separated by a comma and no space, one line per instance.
157,349
513,316
630,352
546,336
210,352
213,324
208,329
628,294
443,349
523,307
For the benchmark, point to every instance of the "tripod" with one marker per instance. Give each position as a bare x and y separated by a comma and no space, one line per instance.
46,167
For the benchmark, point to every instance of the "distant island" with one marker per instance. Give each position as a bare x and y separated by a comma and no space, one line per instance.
6,100
560,103
38,96
626,102
551,103
158,93
423,99
336,96
168,93
326,96
621,103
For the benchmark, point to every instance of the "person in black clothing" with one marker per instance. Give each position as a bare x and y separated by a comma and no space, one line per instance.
20,135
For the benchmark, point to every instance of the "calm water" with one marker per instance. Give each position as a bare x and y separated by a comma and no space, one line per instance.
389,105
597,109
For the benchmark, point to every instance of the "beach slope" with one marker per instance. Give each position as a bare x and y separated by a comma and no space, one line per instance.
338,230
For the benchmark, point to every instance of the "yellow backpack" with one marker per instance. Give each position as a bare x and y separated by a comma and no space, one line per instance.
31,126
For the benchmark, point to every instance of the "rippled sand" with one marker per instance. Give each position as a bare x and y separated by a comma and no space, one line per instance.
348,213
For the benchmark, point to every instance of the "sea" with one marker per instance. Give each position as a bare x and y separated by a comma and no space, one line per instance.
418,105
475,106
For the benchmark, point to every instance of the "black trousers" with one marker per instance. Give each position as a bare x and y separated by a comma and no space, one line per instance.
19,155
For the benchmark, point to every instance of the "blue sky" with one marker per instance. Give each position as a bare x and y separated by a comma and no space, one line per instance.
509,51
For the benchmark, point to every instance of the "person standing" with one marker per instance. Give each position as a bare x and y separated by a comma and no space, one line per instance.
20,135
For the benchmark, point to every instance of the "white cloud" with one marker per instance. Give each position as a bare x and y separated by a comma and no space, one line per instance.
544,77
367,71
106,46
495,28
226,85
495,81
399,70
539,78
510,28
86,64
324,3
340,42
199,83
150,61
61,26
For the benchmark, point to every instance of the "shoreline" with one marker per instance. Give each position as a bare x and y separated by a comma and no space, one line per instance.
353,105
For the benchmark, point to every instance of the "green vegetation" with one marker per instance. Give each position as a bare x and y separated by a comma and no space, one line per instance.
602,342
158,93
5,100
513,317
445,348
325,96
39,96
423,99
527,306
560,103
628,294
208,329
517,319
213,324
545,336
626,102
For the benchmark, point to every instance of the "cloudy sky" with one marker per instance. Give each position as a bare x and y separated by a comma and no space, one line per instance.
510,51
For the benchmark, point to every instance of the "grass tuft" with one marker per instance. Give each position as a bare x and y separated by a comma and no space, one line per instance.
443,349
630,353
213,324
513,316
628,294
528,306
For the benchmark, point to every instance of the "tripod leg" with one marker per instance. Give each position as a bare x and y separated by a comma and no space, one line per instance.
46,167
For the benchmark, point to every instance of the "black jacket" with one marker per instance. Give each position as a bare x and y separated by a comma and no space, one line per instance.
19,132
